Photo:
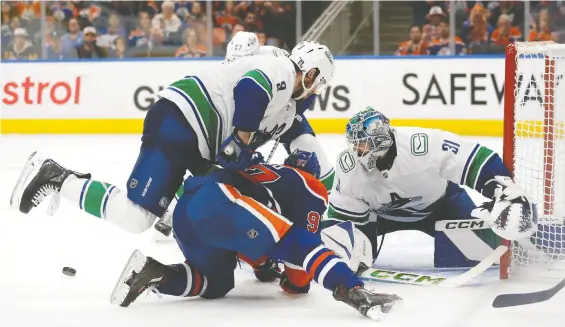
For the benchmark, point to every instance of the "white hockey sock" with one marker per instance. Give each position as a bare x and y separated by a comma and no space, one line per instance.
106,201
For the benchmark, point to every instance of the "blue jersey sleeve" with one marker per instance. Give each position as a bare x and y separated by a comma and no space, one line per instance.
300,126
252,95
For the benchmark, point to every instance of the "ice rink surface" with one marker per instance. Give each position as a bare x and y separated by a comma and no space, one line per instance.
34,249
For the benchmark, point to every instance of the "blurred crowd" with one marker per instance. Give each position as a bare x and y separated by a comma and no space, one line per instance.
122,29
481,27
125,29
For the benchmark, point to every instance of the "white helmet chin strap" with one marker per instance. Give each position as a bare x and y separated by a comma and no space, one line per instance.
305,91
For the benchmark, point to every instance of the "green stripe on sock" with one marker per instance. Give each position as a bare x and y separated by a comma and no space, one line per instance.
210,118
261,79
94,198
483,154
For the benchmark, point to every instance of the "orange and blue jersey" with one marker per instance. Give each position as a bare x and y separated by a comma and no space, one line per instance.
404,49
266,210
539,36
440,47
513,35
138,38
296,195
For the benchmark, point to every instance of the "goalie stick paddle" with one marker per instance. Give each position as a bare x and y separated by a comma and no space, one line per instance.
512,300
383,275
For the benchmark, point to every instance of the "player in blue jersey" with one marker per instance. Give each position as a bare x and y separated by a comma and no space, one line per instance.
267,211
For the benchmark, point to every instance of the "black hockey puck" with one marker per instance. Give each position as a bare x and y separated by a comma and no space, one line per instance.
69,271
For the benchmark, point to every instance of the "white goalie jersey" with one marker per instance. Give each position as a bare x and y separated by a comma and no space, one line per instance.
410,190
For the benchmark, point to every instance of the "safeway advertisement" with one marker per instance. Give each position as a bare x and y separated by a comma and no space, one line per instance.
460,88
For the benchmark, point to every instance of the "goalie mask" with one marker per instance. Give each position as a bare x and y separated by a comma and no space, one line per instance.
369,137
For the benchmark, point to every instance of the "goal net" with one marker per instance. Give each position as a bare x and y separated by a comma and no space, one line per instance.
534,149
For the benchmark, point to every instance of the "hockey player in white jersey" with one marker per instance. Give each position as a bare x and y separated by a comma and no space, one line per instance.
219,116
300,135
404,178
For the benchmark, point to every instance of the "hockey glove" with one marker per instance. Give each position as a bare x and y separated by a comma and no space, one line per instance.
236,155
294,281
268,271
305,161
505,188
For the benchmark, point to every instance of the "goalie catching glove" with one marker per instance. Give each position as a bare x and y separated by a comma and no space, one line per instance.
510,213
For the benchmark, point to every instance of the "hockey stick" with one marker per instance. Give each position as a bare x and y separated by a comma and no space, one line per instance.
466,224
511,300
379,275
277,141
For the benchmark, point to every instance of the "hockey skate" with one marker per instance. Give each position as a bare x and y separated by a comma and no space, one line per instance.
140,274
369,304
40,178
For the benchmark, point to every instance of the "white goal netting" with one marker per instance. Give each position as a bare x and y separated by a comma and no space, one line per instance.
538,143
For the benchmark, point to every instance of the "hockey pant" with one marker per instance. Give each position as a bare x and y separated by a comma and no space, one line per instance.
169,148
213,222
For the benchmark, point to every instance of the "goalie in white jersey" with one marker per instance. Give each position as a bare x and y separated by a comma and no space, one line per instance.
222,115
407,178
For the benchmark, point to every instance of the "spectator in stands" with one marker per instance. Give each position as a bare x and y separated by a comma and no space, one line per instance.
21,48
141,37
541,30
191,47
226,17
167,23
89,13
196,19
440,46
7,12
71,40
237,28
251,25
505,33
514,10
273,15
432,30
415,46
119,48
89,49
420,10
476,31
54,47
558,23
8,30
109,34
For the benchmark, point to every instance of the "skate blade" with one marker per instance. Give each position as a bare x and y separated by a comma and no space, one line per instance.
135,263
30,170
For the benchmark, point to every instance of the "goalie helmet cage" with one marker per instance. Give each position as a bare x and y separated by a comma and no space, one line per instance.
534,149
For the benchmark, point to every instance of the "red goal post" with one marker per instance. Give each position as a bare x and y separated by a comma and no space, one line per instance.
533,147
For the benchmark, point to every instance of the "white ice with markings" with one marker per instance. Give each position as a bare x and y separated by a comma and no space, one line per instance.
35,248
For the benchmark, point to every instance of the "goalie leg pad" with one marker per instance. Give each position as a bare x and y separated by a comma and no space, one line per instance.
461,244
349,243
